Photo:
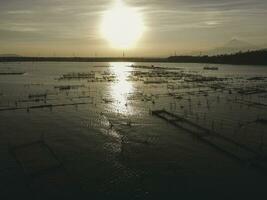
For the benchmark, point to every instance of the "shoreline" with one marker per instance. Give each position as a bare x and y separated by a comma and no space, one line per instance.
242,58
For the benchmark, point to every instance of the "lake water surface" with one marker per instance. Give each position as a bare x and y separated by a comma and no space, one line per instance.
90,129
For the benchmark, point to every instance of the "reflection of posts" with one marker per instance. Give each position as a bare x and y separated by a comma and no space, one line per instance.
122,147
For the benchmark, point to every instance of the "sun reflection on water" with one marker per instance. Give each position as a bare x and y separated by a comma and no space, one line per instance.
122,88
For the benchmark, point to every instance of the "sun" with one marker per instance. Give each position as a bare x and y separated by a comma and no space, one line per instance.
122,26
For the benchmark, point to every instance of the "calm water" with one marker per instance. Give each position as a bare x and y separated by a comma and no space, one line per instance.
95,121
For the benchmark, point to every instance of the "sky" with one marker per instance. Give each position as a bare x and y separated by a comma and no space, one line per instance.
72,27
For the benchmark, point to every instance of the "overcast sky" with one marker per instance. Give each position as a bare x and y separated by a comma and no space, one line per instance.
71,27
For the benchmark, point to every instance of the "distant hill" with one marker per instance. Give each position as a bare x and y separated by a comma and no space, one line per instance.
233,46
264,47
257,57
9,55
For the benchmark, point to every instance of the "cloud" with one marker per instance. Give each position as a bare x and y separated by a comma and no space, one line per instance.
19,12
172,22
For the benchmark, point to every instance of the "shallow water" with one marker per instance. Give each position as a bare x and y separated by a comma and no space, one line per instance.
109,144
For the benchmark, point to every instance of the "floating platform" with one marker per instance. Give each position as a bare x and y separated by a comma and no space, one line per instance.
35,158
46,176
225,145
211,68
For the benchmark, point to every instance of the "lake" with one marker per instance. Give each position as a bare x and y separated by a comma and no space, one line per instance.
132,130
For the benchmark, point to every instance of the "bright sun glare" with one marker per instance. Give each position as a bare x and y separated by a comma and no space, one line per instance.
122,26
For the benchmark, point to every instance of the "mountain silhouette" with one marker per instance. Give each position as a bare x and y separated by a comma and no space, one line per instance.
233,46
